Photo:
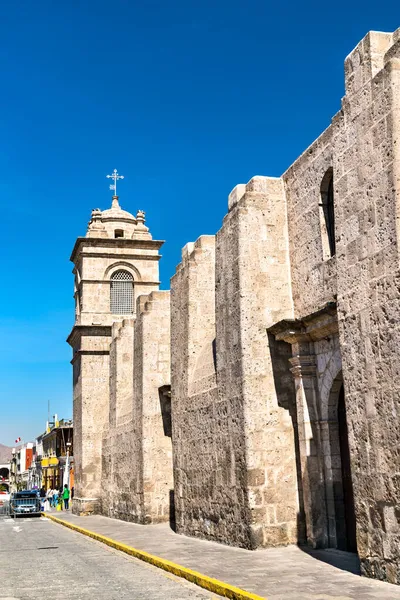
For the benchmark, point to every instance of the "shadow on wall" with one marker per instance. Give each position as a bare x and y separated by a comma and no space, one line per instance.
164,393
285,391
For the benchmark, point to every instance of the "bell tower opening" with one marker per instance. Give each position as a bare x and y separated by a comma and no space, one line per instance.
121,293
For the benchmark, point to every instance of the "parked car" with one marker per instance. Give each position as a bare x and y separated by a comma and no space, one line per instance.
25,503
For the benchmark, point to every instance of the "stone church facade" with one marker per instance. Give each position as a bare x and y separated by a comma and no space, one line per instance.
257,403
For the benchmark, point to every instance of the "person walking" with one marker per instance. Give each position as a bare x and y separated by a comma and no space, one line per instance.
48,500
55,497
42,495
66,496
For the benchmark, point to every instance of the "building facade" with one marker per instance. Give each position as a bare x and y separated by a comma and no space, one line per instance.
20,466
57,454
35,476
271,367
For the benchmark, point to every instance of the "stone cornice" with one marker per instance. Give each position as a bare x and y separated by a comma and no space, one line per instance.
89,353
88,330
317,326
113,243
108,281
146,257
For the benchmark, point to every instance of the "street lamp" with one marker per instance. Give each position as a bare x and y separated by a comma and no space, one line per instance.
66,468
13,471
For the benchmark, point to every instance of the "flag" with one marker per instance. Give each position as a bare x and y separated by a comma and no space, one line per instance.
17,440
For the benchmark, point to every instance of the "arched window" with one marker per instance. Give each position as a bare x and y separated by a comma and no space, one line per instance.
121,293
327,215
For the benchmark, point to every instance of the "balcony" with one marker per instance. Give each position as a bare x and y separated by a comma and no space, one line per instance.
50,461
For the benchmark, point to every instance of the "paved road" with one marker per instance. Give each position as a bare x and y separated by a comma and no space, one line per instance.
39,559
288,573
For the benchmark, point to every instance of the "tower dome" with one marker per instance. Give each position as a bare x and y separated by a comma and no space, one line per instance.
115,213
118,222
115,222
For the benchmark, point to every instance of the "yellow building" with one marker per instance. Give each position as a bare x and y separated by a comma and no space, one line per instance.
57,448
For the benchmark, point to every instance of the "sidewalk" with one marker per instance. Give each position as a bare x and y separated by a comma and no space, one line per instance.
275,573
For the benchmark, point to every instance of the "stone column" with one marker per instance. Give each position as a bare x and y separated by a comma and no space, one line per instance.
91,406
311,460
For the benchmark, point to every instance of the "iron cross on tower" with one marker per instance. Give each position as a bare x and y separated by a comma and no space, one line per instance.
115,177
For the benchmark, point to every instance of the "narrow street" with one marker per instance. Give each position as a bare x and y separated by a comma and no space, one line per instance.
41,559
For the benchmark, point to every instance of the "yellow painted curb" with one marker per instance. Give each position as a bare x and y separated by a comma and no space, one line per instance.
208,583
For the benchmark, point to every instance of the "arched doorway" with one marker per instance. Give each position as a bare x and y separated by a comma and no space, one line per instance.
4,473
349,541
339,485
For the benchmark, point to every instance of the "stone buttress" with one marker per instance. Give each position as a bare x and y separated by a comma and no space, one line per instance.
234,456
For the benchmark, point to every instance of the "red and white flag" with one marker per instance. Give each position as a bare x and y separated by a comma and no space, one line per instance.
17,440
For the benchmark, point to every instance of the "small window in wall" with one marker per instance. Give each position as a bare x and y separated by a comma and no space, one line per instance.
119,233
327,216
121,293
164,393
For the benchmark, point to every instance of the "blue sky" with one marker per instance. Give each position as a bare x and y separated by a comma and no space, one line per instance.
186,99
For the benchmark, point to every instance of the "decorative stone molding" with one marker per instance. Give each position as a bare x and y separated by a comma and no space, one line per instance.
317,326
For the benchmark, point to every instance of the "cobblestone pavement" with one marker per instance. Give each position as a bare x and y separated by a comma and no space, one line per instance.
277,573
39,559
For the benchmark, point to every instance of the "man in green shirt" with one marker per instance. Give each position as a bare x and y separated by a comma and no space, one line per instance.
65,496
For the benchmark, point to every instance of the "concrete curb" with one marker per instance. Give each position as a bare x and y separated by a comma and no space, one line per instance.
208,583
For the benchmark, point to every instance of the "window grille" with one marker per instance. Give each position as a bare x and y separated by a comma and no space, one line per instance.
121,293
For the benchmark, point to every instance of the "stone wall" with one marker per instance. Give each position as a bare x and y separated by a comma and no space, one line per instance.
257,286
122,495
361,150
137,453
366,163
313,279
234,448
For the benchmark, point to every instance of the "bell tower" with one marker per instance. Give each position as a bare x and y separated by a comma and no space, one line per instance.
115,263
